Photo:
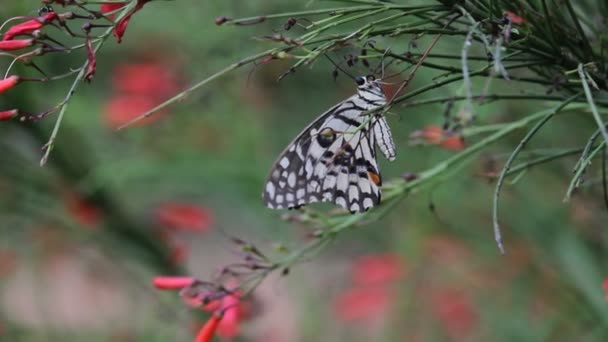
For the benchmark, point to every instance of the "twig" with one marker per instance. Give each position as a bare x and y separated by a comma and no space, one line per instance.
505,169
596,115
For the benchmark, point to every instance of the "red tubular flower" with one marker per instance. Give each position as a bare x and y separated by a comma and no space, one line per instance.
8,83
182,216
229,326
121,26
8,114
29,26
11,45
107,8
208,330
605,285
172,283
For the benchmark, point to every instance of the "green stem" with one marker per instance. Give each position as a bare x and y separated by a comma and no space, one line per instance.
545,118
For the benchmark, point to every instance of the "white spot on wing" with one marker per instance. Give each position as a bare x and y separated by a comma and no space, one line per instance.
292,179
284,162
353,192
270,189
300,194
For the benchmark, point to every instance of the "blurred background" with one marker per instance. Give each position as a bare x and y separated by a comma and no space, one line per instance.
81,238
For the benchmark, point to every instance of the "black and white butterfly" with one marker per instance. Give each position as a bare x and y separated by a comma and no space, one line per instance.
334,158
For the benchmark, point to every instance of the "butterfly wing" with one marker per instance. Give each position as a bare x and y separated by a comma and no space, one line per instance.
332,160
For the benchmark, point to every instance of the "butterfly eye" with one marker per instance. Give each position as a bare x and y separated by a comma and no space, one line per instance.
360,80
326,137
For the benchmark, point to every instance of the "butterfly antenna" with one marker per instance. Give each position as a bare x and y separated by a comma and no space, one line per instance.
339,68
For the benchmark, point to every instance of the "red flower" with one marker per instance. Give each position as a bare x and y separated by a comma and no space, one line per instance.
605,285
455,311
377,269
29,26
121,109
8,83
107,8
435,135
11,45
172,283
514,18
138,88
121,26
229,327
363,304
372,294
82,211
8,114
183,216
151,78
208,330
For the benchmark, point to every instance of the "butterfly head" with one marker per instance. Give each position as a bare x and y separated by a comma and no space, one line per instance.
369,88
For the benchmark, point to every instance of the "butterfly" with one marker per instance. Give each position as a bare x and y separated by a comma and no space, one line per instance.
334,158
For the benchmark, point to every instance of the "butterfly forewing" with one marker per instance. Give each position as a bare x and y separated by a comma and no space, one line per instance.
334,158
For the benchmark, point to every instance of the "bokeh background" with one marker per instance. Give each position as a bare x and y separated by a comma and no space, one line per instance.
81,238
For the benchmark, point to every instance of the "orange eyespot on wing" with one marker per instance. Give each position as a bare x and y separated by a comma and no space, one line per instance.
374,177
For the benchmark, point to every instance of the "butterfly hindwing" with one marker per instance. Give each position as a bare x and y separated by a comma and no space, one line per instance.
333,159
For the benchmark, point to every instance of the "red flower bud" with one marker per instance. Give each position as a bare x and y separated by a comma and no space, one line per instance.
91,61
29,26
11,45
8,83
121,26
172,283
208,330
8,114
435,135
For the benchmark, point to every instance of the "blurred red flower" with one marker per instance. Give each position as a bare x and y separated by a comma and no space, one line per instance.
122,108
436,135
139,87
377,269
605,285
172,282
515,19
208,330
455,311
184,216
373,277
229,326
83,212
362,304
